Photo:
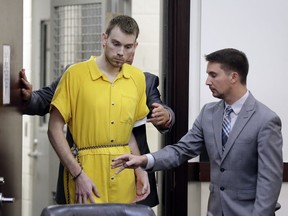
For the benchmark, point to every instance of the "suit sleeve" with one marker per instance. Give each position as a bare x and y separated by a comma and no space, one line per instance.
270,167
189,146
153,96
41,99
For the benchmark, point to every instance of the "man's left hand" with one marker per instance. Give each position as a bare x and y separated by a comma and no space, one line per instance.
142,185
160,117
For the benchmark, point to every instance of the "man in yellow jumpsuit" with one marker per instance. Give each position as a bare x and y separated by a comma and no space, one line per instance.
100,100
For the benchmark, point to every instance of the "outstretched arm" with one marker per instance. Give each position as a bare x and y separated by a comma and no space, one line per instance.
130,161
36,102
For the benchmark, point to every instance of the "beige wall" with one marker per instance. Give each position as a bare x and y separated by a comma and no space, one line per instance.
147,15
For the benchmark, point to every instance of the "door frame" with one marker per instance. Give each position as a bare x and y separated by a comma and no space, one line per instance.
175,77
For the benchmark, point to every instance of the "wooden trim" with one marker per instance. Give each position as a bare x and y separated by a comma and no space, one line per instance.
200,171
285,172
193,171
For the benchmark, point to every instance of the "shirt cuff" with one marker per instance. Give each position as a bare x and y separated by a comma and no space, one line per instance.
140,122
150,162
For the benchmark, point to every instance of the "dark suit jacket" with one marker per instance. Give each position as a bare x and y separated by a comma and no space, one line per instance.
40,104
153,96
246,178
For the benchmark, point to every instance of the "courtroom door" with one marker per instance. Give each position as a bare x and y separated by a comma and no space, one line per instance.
11,55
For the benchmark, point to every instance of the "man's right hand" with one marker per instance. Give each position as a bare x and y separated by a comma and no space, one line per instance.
85,189
129,161
26,87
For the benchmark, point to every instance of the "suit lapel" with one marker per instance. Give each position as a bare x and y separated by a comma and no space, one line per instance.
217,125
244,115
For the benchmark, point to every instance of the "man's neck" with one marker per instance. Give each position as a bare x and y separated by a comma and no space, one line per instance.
236,95
106,68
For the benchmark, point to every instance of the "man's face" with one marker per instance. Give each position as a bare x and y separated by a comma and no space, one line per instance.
118,47
218,81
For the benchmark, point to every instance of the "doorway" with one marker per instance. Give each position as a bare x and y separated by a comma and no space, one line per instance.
11,48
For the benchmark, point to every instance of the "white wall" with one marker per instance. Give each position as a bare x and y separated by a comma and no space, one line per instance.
260,29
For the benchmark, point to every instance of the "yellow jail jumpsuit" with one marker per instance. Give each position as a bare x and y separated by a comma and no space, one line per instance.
100,116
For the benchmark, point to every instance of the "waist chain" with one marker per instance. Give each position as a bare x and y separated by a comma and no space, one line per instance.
75,149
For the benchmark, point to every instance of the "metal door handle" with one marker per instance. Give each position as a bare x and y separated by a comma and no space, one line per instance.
6,199
35,154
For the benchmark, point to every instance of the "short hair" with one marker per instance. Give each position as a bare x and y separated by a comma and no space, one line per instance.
126,24
231,59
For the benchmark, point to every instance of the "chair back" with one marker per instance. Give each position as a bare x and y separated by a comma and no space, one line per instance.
98,209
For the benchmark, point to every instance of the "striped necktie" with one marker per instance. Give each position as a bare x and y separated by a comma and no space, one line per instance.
226,125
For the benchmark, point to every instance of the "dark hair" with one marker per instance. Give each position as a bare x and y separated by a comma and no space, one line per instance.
231,59
126,24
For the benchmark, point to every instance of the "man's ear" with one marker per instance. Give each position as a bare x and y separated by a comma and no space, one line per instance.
104,39
234,76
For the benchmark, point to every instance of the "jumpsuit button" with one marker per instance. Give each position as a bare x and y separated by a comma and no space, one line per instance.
222,188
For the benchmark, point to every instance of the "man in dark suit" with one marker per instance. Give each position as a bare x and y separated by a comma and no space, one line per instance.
162,117
245,152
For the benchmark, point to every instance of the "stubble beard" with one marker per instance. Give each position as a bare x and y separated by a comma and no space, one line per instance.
216,94
114,63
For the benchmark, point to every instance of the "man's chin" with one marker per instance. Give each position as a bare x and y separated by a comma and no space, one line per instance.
215,94
118,64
